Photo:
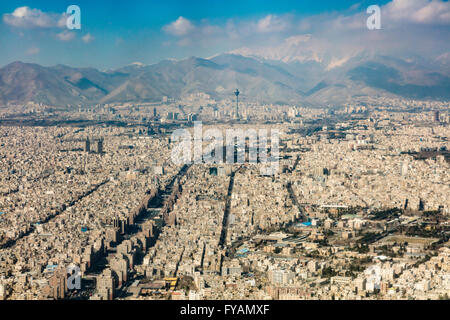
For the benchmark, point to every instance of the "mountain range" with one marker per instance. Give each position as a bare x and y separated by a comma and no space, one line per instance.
260,79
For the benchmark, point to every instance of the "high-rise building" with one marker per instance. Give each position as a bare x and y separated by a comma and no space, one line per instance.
281,277
236,93
106,285
87,145
100,146
172,116
192,117
437,116
2,290
57,285
421,205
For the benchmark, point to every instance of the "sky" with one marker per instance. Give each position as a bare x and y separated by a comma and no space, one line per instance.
117,33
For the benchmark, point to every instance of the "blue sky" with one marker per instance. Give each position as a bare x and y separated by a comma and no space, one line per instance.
117,33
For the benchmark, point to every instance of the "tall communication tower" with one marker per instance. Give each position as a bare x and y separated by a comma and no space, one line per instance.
236,93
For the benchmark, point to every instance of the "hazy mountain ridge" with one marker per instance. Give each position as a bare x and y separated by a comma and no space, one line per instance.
309,82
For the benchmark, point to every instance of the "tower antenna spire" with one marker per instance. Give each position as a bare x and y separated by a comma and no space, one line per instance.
236,93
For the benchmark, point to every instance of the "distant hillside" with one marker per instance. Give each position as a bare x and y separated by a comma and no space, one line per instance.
259,80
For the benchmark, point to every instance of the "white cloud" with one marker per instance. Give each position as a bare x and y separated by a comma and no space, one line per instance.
184,42
208,30
297,40
418,11
190,33
294,48
329,38
395,15
25,17
33,50
179,27
271,23
65,36
88,38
